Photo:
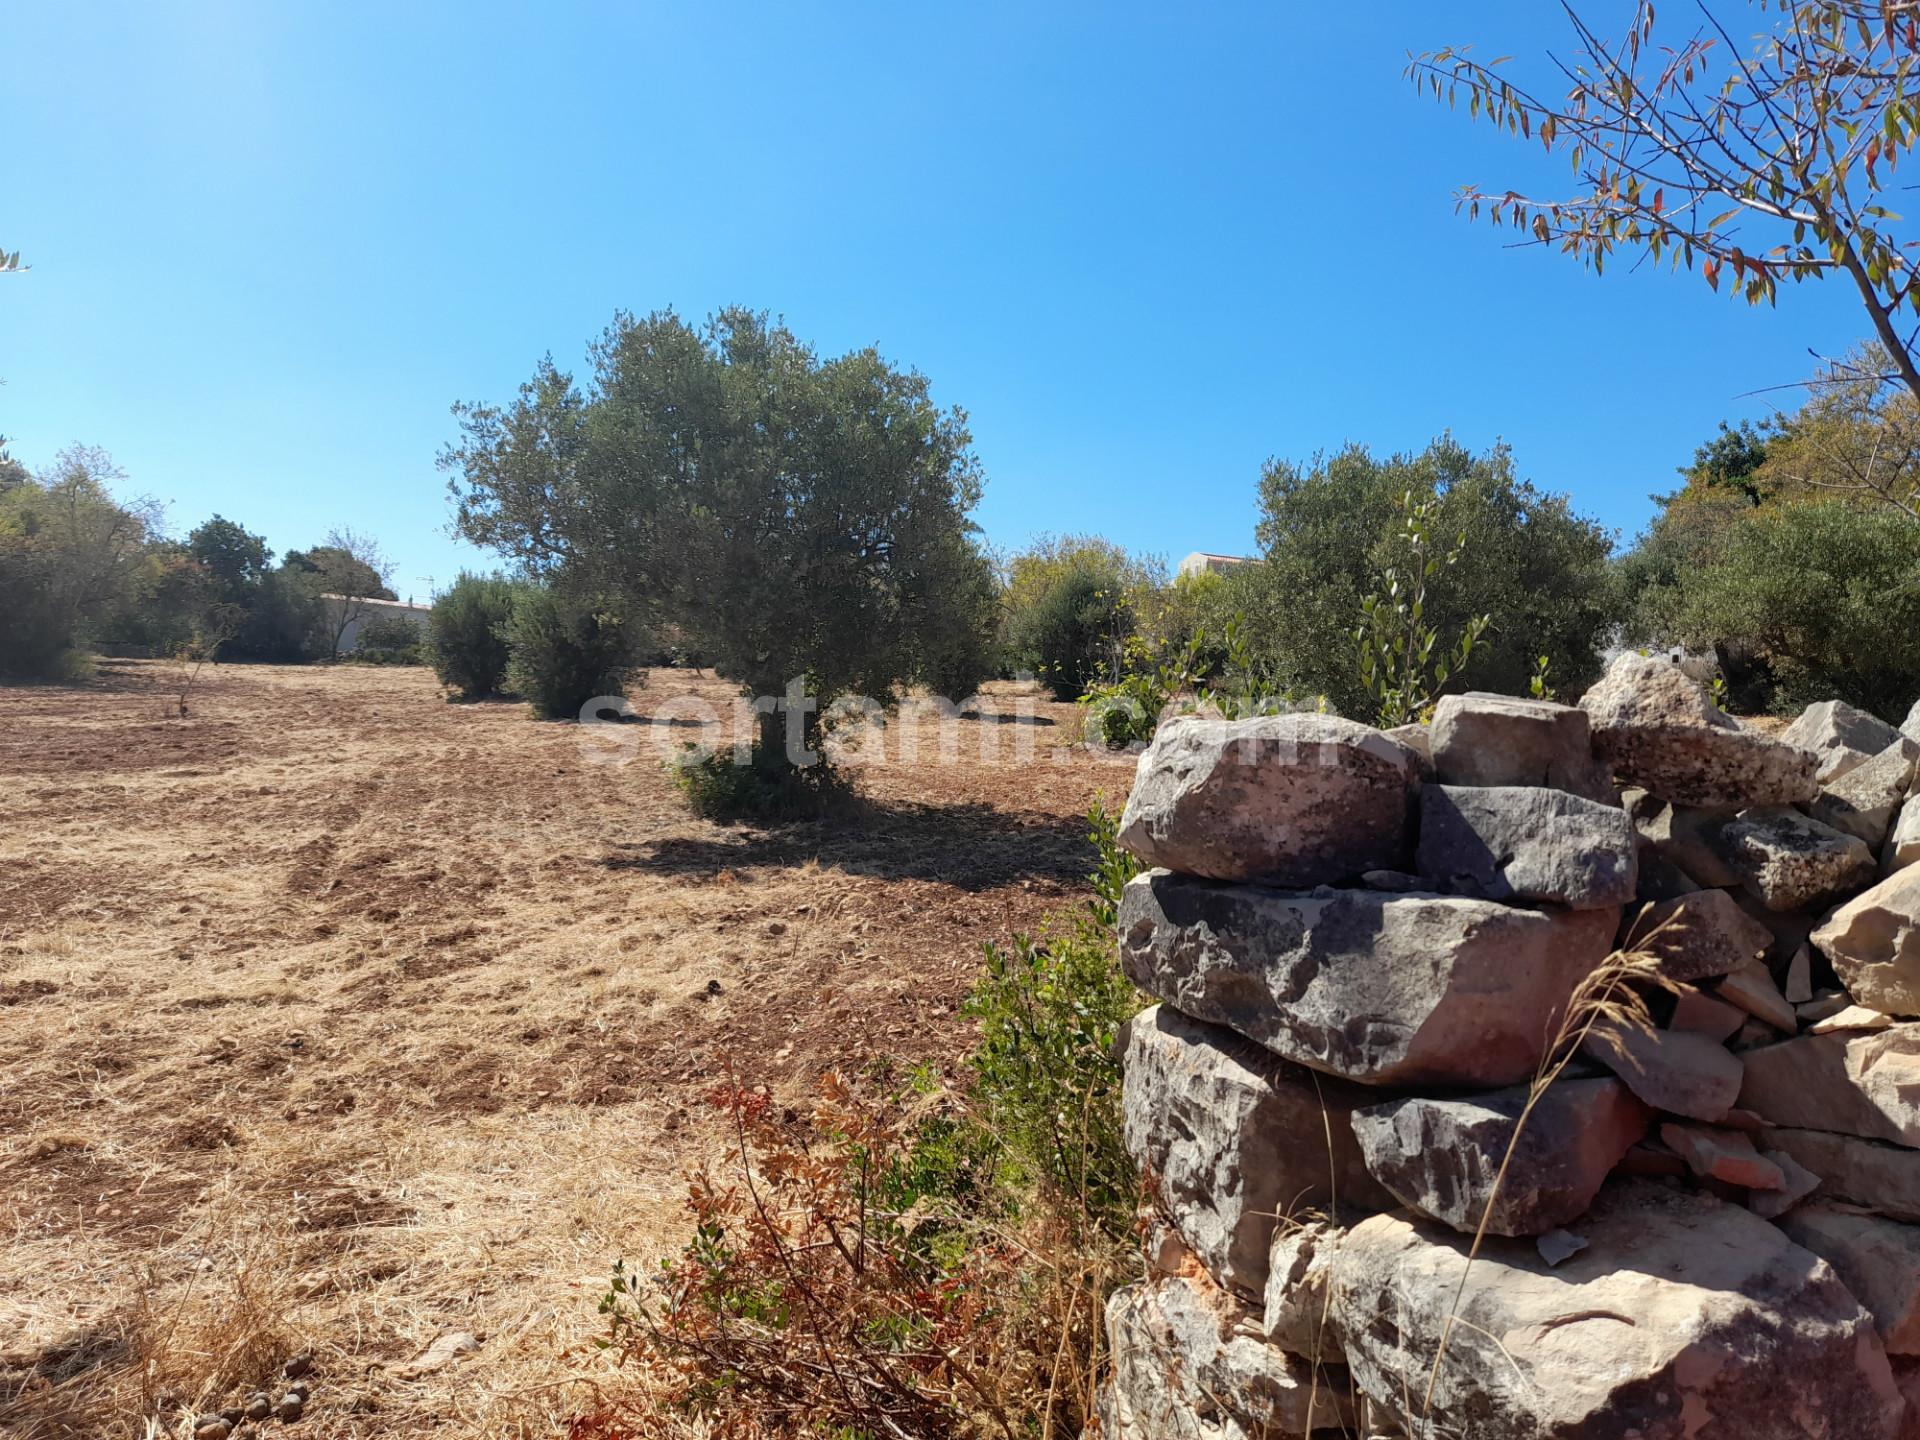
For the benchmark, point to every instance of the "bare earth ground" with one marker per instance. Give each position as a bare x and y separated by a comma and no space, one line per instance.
336,1017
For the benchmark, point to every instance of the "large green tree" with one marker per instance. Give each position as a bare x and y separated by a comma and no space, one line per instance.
1330,528
71,557
798,521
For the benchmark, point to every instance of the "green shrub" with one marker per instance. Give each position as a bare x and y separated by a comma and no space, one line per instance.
1070,606
1806,601
1046,1078
905,1260
719,787
466,634
563,651
390,640
1539,571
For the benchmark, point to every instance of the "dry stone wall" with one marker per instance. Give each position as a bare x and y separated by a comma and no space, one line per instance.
1370,948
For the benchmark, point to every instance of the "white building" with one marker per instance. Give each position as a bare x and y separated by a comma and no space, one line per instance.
1205,562
364,612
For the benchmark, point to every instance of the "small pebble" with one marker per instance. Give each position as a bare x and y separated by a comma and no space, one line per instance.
299,1365
302,1388
211,1427
233,1415
290,1407
260,1406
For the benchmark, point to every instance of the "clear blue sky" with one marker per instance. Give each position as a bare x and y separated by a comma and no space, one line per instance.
1144,246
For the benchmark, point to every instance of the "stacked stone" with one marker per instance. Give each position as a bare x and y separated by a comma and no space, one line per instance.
1367,944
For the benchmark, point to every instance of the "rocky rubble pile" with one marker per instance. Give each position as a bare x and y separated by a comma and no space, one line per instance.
1373,952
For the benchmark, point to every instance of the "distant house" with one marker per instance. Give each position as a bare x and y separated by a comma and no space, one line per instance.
364,612
1205,562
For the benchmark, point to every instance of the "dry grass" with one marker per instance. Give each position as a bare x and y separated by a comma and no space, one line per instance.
336,1018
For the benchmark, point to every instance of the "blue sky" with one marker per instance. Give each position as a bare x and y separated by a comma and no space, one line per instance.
1144,246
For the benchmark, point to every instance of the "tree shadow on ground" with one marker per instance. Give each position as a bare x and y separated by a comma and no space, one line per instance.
971,846
59,1391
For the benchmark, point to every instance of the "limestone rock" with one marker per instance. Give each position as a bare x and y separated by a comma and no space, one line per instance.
1419,739
1855,1083
1788,860
1189,1360
1295,1314
1864,801
1681,836
1878,1259
1382,988
1903,844
1874,943
1442,1157
1798,989
1684,1317
1752,989
1499,740
1699,936
1704,1014
1286,799
1237,1139
1910,727
1844,738
1800,1183
1675,1071
1853,1017
1872,1173
1728,1156
1658,730
1516,842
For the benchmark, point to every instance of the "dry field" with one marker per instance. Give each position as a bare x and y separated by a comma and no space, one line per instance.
338,1018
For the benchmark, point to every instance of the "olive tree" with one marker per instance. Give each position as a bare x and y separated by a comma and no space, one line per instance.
801,522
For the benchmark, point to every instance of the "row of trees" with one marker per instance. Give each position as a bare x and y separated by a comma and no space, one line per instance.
82,566
1791,555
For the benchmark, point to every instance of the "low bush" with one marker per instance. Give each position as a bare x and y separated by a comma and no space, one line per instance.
466,635
908,1260
720,787
563,651
390,640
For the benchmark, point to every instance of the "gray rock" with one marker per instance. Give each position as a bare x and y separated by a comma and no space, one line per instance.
1513,842
1236,1139
1798,988
1874,943
1872,1173
1286,799
1660,731
1189,1360
1295,1314
1419,739
1879,1259
1681,836
1864,801
1704,1014
1699,936
1840,735
1684,1317
1788,860
1910,727
1903,844
1481,739
1444,1157
1854,1083
1382,988
1676,1071
1800,1183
